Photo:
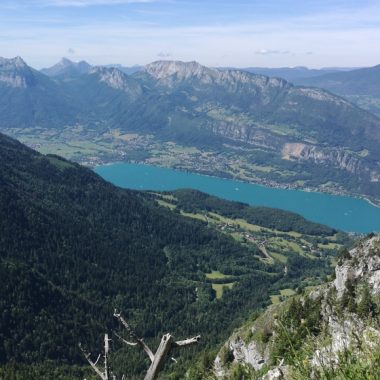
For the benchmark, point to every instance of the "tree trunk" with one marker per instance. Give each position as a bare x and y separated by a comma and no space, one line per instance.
160,356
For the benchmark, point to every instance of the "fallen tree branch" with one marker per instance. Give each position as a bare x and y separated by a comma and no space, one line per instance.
187,342
87,355
134,337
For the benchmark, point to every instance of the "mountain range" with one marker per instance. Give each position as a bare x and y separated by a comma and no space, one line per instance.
304,135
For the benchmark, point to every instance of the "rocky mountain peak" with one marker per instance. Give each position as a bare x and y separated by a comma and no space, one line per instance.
183,70
111,76
64,62
171,73
12,63
116,79
14,72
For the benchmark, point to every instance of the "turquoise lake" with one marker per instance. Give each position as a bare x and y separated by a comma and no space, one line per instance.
344,213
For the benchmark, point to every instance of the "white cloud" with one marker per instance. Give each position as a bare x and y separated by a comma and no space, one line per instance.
164,54
271,52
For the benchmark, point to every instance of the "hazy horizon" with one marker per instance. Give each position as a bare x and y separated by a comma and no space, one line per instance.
116,64
270,33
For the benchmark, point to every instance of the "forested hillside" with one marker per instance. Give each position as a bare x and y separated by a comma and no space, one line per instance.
73,247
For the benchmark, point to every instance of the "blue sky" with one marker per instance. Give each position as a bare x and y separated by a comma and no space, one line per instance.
314,33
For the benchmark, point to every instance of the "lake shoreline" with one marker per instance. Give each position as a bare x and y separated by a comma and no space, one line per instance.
343,212
265,183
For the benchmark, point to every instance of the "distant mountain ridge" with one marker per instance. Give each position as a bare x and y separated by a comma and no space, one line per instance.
67,69
364,81
291,74
361,86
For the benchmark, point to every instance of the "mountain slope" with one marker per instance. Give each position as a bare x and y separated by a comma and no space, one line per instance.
361,86
73,247
331,331
29,99
268,100
104,95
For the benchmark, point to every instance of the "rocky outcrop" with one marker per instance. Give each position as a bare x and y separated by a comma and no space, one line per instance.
337,157
248,134
342,328
246,353
362,265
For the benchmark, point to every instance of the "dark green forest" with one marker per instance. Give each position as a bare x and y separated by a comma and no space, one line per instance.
74,247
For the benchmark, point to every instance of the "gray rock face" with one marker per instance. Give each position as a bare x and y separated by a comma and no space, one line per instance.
15,73
183,70
243,353
117,80
364,266
338,157
171,73
249,354
12,63
277,373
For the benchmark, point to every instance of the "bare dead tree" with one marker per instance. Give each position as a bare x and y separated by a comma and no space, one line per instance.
166,345
104,373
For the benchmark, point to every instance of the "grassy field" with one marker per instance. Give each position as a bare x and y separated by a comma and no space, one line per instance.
329,246
284,293
219,288
194,216
279,257
277,244
216,275
165,204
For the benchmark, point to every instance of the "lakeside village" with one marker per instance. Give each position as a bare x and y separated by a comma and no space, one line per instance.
263,239
134,148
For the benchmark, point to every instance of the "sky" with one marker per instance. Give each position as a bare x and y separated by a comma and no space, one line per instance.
239,33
